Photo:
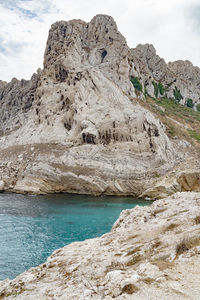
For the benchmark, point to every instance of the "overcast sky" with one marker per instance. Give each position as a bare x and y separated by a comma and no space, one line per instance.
172,26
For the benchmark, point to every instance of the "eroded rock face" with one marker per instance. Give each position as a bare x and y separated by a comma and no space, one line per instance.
92,135
16,99
179,75
151,253
147,62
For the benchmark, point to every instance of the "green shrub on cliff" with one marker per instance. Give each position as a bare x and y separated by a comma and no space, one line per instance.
136,83
155,85
177,94
161,89
189,103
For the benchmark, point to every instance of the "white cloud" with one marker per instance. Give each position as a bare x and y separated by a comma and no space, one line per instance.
169,25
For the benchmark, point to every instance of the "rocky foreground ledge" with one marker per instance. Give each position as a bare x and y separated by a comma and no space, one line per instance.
151,253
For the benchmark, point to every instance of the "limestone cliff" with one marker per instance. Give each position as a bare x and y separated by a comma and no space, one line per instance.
179,80
151,253
77,125
16,99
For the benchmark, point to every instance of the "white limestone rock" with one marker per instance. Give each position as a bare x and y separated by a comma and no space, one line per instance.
91,136
149,68
161,247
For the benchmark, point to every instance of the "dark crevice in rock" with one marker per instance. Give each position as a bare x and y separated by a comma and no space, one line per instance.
103,55
89,138
60,73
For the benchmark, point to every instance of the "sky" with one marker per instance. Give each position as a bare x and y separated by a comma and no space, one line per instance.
172,26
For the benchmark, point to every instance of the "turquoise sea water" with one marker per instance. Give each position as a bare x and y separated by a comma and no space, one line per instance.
32,227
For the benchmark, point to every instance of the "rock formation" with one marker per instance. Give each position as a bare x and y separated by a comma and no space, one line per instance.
80,126
77,125
179,76
151,253
16,98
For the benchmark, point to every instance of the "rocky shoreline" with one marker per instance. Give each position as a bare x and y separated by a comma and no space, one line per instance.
151,253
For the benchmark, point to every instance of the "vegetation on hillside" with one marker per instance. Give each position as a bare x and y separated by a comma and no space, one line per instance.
198,107
180,120
155,85
189,103
172,107
161,89
177,94
195,135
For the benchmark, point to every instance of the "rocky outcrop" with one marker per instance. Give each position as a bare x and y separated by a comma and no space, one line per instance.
77,125
179,80
145,256
16,98
80,127
79,45
2,84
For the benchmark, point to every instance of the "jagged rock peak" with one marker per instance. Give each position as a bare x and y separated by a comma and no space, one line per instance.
186,71
100,32
146,49
179,76
2,83
16,98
